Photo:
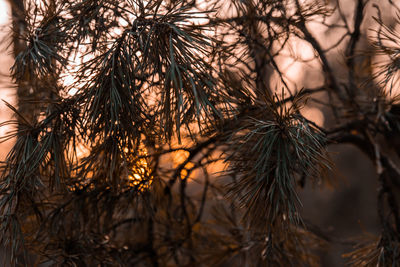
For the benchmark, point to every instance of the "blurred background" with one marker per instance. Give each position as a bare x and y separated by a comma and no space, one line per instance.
342,210
7,91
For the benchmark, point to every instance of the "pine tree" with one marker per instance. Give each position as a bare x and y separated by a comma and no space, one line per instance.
118,167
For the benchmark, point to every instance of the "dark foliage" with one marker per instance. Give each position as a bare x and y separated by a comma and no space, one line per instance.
118,167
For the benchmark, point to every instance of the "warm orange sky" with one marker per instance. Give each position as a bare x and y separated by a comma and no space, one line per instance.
299,74
6,91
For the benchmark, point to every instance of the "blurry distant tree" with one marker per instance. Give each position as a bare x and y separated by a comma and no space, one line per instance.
111,91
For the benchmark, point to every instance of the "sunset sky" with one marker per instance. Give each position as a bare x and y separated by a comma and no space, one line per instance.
299,74
6,91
